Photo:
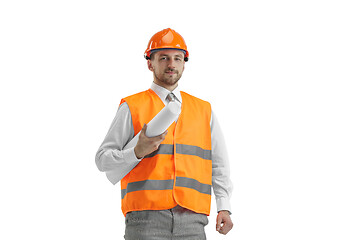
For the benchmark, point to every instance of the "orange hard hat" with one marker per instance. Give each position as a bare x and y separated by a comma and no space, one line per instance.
166,39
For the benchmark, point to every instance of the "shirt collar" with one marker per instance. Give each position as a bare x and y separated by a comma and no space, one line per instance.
163,92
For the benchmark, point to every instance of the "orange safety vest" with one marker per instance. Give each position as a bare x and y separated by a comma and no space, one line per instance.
180,171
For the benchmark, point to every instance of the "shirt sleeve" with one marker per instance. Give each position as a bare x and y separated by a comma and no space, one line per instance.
221,182
111,154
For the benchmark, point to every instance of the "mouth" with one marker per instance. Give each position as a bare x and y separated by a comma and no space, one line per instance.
170,72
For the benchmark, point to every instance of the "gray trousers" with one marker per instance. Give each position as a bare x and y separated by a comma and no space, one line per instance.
175,224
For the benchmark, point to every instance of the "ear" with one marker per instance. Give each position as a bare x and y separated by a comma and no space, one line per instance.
150,67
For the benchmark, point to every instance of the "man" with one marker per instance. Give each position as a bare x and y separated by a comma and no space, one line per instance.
167,195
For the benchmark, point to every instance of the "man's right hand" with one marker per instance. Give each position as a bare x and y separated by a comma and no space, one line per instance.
147,145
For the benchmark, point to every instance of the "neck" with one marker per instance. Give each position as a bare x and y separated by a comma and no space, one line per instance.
168,87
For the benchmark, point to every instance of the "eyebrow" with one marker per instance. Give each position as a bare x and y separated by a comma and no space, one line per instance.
166,55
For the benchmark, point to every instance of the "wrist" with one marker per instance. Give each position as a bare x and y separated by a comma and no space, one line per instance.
225,211
137,154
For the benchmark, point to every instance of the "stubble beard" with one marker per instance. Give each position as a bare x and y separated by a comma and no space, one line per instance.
169,81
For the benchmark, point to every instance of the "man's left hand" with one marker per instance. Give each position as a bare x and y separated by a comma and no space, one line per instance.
223,222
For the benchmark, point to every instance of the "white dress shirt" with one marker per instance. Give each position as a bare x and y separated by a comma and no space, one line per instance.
110,154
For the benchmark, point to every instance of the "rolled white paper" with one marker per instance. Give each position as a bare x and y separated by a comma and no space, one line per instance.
155,127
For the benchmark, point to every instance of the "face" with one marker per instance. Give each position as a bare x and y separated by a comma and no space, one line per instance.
167,66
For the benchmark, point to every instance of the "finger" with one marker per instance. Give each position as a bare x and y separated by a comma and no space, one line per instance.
224,230
218,227
226,227
144,128
218,223
161,137
164,134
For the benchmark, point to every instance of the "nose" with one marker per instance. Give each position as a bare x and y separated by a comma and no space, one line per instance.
171,64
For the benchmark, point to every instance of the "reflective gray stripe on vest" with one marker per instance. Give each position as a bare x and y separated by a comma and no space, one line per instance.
193,184
166,185
163,149
182,149
193,150
147,185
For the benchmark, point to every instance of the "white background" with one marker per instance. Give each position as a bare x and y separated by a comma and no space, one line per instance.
282,77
